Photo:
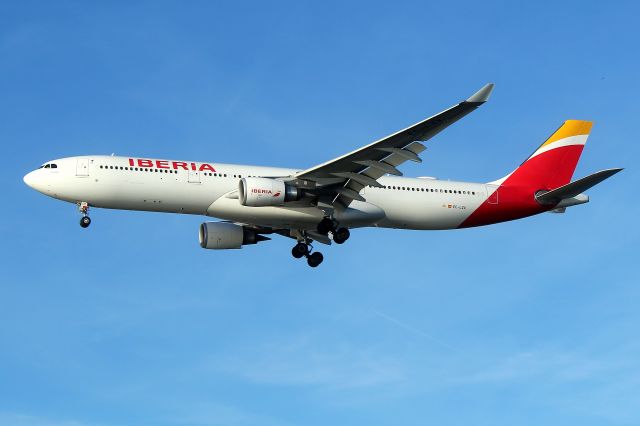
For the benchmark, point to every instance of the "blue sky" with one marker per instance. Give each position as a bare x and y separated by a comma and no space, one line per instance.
131,323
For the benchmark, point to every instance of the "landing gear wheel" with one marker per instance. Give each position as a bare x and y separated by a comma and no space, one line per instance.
315,258
299,250
341,235
325,226
85,221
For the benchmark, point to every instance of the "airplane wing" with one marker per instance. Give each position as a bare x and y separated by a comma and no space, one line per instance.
339,181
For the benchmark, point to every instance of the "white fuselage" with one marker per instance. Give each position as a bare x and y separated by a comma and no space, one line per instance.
198,188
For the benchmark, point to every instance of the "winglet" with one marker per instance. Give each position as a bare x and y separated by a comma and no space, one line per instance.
482,95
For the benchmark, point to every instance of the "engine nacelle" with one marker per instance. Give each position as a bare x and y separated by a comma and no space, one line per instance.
225,235
261,192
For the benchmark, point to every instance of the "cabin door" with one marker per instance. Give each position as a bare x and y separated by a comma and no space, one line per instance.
194,176
82,167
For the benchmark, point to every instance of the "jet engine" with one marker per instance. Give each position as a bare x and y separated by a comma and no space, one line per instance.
225,235
260,192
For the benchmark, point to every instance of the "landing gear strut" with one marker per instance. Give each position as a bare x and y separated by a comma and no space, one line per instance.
85,221
304,249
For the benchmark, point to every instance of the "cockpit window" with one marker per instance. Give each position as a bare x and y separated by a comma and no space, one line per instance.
54,166
46,166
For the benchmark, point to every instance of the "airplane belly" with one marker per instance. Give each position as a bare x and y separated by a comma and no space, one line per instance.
288,217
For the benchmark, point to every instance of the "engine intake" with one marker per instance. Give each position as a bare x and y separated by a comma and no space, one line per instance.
225,235
261,192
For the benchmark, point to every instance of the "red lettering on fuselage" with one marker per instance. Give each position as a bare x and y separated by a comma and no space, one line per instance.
180,164
175,165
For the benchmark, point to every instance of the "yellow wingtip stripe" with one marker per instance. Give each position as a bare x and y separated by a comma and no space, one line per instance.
568,129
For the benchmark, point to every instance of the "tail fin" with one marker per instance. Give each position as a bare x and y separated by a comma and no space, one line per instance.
553,163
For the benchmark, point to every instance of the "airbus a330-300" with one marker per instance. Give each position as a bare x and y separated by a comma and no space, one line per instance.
363,188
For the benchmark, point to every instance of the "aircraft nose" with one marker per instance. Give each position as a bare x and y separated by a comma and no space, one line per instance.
37,181
30,179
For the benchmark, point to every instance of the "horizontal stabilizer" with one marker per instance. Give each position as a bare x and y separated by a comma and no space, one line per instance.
575,188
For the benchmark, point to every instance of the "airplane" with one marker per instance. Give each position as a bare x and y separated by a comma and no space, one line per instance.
363,188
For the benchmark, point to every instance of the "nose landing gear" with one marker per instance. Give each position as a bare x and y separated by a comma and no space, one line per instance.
85,221
303,249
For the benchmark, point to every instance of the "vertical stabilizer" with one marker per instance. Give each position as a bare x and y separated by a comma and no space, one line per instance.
553,163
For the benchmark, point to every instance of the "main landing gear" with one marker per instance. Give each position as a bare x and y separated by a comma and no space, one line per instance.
340,234
303,249
85,221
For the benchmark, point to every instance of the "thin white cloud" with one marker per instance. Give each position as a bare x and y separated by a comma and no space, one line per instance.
216,414
20,419
556,366
300,362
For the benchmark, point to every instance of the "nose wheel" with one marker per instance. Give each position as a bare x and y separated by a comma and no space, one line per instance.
303,249
85,221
